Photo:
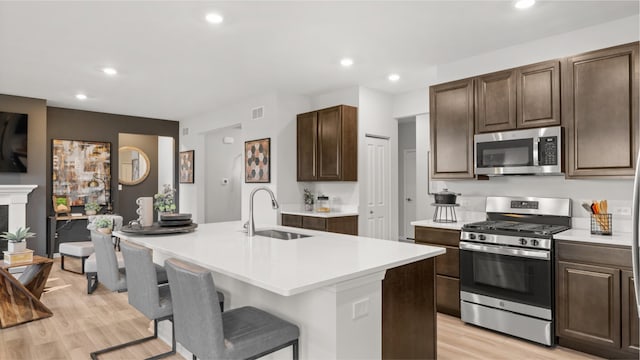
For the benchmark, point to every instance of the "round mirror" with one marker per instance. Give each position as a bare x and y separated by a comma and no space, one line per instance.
133,164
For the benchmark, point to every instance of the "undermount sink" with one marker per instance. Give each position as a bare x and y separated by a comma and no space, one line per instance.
282,235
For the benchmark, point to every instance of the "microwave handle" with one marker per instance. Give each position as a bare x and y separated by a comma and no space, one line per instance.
536,151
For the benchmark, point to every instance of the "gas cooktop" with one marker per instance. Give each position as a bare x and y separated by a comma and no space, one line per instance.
514,226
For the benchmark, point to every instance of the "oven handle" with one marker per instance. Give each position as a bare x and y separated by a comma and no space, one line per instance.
501,250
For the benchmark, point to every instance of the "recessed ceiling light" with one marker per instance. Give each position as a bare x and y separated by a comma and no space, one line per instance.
214,18
81,96
524,4
394,77
110,71
346,62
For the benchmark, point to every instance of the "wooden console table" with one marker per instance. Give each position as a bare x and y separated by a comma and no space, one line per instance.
20,298
54,229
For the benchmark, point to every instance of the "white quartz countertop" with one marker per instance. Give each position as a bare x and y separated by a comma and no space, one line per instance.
319,214
584,235
430,223
285,267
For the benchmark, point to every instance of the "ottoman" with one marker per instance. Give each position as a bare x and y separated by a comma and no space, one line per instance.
77,249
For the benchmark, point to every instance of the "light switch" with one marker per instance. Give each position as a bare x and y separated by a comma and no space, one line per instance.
360,308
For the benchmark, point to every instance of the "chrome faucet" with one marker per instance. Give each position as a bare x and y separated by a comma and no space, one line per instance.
274,204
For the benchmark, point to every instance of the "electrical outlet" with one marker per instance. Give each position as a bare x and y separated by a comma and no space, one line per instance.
360,308
622,211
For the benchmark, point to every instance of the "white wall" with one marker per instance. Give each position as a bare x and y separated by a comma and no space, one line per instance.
165,167
224,161
347,96
618,192
278,124
406,141
375,118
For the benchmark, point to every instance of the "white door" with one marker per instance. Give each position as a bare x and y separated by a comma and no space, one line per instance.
377,188
409,192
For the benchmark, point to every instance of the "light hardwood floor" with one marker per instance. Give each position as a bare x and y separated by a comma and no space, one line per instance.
84,323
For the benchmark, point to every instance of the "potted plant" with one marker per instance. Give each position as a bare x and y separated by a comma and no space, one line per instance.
92,208
308,200
164,201
17,239
104,225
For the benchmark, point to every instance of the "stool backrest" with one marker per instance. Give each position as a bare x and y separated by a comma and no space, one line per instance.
196,311
107,263
142,279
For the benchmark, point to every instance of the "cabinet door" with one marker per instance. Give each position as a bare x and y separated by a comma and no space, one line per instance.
538,95
600,111
448,295
588,304
496,107
449,263
329,144
307,130
451,122
630,334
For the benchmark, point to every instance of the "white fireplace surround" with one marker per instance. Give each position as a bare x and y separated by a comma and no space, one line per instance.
16,196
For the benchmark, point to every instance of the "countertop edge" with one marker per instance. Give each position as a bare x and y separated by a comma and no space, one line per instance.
320,215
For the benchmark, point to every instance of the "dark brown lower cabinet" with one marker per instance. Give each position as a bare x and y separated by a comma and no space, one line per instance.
342,225
408,312
447,267
595,305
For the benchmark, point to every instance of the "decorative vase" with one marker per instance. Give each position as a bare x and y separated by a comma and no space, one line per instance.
90,212
16,247
105,231
308,207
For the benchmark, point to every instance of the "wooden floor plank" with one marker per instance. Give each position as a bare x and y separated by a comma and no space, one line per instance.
84,323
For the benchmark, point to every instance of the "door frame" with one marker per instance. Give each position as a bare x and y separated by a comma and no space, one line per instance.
404,187
386,189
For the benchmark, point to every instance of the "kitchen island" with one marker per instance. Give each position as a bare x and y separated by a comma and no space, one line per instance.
330,285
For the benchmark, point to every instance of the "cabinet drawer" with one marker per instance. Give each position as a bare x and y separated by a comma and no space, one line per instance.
437,236
449,263
292,220
343,225
617,256
314,223
448,295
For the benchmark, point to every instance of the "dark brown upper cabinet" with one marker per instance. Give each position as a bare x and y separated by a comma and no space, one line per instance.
452,124
600,111
538,95
327,144
496,106
525,97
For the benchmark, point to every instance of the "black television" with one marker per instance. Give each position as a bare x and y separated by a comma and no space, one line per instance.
13,142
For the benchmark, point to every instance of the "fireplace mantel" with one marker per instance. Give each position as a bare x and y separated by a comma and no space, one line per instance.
16,196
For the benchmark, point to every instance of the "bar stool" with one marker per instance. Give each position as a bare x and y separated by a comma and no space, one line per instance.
109,274
145,295
243,333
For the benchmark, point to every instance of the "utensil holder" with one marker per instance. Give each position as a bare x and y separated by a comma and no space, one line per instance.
601,224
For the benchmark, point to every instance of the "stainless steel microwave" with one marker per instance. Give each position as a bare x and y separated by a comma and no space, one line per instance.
519,152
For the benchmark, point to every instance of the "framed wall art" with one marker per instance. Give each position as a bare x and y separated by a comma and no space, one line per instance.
76,165
186,167
257,162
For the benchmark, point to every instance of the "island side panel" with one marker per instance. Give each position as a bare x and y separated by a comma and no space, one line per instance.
409,311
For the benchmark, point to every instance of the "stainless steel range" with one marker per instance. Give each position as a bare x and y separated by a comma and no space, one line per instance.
506,266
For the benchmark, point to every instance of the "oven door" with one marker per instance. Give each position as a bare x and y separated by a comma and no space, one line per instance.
500,156
514,274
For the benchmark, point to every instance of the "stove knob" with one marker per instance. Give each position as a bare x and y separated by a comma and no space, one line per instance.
535,242
472,236
523,241
482,237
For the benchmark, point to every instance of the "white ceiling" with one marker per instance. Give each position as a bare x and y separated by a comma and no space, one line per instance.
173,64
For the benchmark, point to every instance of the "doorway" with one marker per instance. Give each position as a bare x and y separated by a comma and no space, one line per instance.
378,186
407,166
223,174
